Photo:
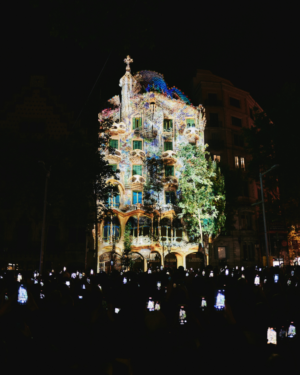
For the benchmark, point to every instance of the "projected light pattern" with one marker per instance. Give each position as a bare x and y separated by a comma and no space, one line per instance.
150,120
155,81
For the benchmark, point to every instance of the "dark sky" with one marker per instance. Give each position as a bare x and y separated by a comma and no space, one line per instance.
252,44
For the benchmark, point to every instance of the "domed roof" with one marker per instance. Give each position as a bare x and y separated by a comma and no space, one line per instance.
155,81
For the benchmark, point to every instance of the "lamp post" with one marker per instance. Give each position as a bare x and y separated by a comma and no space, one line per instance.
263,209
44,218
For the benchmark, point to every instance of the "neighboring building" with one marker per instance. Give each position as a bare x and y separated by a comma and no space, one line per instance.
152,122
35,110
228,111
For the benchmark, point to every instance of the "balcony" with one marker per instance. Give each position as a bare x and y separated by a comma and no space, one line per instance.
117,128
147,132
171,181
114,156
193,134
169,157
137,182
137,156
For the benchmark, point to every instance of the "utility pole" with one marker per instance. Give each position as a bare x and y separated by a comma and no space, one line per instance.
44,218
263,209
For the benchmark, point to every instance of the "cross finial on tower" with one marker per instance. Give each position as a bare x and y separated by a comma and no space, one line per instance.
127,61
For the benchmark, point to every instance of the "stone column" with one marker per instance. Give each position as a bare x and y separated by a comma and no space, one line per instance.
145,265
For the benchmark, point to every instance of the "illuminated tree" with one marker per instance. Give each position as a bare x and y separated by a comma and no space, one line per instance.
201,194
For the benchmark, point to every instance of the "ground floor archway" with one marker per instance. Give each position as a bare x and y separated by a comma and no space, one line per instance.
194,261
109,261
171,261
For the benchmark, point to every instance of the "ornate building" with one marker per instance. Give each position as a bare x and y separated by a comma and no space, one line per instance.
149,119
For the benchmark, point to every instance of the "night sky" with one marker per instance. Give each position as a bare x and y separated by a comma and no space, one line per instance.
253,45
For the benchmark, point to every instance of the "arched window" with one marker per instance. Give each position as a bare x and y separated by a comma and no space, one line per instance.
144,226
111,229
165,225
132,225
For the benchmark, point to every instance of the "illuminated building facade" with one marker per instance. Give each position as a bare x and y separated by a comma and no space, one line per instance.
228,111
149,119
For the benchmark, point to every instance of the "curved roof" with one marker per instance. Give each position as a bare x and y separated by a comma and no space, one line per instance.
155,81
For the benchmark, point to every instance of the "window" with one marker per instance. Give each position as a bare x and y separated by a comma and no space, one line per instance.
217,158
137,197
251,113
170,197
234,102
115,201
190,122
137,169
236,121
113,167
221,252
114,143
168,125
236,162
214,119
169,170
136,122
212,98
239,162
168,146
137,145
246,221
245,252
242,163
238,140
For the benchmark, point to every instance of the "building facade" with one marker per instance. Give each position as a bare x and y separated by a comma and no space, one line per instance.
228,111
149,120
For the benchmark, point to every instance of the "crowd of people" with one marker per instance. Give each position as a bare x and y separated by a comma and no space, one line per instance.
162,320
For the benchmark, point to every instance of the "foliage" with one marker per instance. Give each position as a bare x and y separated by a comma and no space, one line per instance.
127,248
202,193
154,186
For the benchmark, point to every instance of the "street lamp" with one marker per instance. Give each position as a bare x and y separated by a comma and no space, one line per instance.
263,208
44,217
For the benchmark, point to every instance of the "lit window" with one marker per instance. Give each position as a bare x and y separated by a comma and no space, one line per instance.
137,197
222,252
137,145
136,122
137,170
169,170
168,146
242,163
236,162
190,122
217,158
114,143
168,124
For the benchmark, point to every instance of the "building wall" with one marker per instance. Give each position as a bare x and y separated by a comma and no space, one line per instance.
215,94
152,108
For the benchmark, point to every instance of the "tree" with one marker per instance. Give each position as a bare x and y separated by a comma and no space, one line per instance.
126,261
202,194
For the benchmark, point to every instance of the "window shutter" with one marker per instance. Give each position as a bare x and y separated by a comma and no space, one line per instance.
168,146
133,123
140,197
137,145
169,170
134,197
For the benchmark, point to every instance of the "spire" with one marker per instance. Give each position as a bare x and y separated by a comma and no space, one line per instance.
127,61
